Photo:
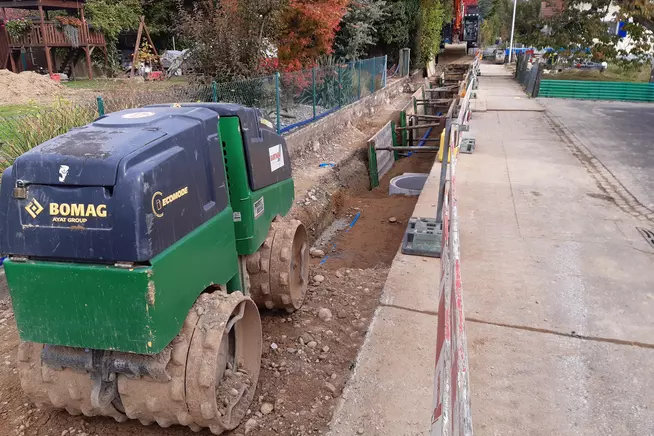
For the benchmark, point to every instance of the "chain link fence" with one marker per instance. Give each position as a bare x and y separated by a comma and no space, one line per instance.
290,100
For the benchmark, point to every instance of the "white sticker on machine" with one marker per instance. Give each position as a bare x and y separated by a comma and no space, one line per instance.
237,217
258,208
276,157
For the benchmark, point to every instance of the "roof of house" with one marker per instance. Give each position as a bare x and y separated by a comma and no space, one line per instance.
550,8
46,4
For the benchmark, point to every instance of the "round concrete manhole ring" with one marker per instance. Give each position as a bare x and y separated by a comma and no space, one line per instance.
407,184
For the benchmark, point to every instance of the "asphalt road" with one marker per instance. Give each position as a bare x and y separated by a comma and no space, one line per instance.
619,134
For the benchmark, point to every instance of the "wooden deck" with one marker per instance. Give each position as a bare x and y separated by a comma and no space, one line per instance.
51,36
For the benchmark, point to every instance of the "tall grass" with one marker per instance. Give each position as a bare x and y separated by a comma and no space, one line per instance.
21,133
614,73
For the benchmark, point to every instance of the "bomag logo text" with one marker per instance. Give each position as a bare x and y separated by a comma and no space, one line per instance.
77,212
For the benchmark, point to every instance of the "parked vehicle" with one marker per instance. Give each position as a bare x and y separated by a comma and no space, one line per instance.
588,65
499,56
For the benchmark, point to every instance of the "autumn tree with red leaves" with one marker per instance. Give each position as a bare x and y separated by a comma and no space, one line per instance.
308,31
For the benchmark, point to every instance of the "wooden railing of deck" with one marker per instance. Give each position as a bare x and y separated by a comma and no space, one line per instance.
55,37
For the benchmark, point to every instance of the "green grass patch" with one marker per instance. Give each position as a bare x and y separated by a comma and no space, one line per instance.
612,74
110,84
23,128
12,110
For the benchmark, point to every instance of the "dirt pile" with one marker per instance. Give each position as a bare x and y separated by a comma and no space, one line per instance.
26,86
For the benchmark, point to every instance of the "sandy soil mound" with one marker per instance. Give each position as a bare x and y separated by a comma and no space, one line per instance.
26,86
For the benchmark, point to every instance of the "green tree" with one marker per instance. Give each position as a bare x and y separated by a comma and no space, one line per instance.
358,28
433,14
160,16
399,28
485,8
113,17
581,29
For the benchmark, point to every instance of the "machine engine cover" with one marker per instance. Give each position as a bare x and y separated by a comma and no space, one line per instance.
266,154
123,188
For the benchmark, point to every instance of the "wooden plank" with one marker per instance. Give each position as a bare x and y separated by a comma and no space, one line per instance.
139,34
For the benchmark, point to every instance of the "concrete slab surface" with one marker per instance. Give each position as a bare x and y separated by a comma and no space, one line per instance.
500,92
539,384
558,284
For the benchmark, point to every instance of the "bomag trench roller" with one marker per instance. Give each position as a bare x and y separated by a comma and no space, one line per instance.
140,248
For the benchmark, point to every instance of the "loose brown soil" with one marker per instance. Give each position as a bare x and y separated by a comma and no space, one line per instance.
27,86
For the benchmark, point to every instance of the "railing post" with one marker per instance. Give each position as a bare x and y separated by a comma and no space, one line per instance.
394,140
279,104
359,95
385,70
100,106
446,160
403,119
374,75
313,90
214,91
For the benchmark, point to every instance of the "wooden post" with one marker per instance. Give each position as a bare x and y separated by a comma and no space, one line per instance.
88,62
13,62
139,34
48,56
85,27
106,58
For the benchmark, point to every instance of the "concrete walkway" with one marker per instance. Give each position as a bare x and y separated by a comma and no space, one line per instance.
558,284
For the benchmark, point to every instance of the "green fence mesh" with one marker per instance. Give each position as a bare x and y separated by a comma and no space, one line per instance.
290,100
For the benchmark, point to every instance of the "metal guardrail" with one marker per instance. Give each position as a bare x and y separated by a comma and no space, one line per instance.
452,414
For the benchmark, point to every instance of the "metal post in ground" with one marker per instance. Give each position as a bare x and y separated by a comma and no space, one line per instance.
394,140
385,71
444,164
279,104
340,87
515,5
313,90
359,95
374,75
100,106
214,92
